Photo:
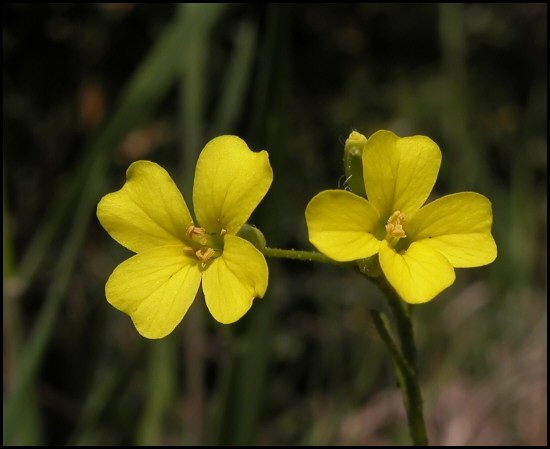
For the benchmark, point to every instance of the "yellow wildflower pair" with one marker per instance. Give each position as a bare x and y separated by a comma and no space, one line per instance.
417,246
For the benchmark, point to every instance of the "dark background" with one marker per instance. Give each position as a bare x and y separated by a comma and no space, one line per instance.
90,88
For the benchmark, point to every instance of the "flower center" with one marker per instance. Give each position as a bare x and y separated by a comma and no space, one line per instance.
202,245
394,226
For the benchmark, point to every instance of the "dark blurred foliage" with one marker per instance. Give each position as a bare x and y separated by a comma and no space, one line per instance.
305,365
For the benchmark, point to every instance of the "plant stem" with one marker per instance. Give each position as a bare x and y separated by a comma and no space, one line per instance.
403,355
404,362
307,256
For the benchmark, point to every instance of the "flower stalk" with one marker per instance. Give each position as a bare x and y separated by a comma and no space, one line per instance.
403,354
306,256
404,361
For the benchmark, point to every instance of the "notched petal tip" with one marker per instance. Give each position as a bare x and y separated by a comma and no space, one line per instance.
230,182
459,227
399,172
147,212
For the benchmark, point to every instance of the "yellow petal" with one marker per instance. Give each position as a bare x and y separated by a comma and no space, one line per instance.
459,227
234,279
399,173
147,212
419,274
230,181
341,225
155,288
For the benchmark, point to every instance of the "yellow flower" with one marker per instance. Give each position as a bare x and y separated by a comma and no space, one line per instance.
149,216
417,246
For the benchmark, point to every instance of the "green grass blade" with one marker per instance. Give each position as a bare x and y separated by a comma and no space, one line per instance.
151,81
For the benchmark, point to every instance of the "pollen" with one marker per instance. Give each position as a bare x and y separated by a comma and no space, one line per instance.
202,245
204,255
194,230
188,251
395,224
197,234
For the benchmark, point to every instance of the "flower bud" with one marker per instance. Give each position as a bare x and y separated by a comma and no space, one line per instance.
353,164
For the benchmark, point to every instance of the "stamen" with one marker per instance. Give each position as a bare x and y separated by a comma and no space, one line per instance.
395,224
188,251
197,234
202,245
204,254
194,230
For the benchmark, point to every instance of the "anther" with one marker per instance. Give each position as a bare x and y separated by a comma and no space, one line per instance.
188,251
204,254
194,230
197,234
395,224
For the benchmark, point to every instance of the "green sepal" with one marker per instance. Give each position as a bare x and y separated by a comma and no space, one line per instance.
370,266
253,235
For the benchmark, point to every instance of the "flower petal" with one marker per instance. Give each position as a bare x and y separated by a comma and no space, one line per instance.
147,212
230,181
155,288
399,173
234,279
419,274
459,227
341,225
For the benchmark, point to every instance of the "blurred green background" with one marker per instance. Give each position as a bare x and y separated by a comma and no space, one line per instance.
90,88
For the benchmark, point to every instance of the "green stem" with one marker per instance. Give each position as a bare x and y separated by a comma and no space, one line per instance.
383,328
401,314
307,256
404,359
404,362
